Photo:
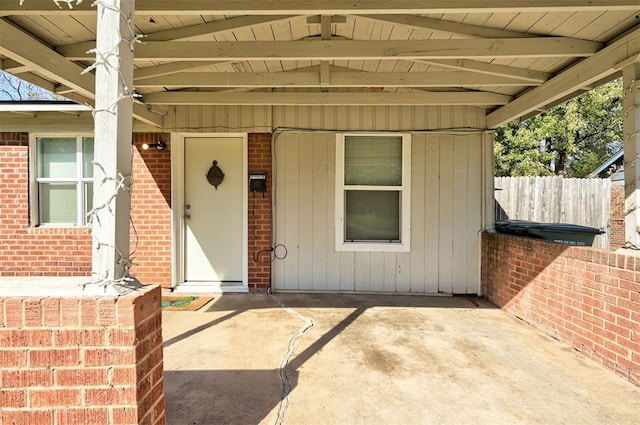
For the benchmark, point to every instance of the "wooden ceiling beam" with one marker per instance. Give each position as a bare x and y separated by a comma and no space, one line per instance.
25,49
322,7
13,67
447,27
170,68
323,98
330,79
588,71
351,49
34,79
524,74
209,28
213,28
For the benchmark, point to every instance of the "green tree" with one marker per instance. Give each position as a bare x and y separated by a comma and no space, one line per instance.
571,139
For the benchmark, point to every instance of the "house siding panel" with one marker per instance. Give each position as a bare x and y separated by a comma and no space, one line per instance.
224,119
446,203
377,118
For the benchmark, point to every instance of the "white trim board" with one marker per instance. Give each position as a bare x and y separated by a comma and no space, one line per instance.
178,283
209,288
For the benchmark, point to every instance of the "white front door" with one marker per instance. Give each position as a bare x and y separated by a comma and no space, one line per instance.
214,220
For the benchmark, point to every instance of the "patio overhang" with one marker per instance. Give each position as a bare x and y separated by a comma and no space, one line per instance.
516,58
512,58
236,7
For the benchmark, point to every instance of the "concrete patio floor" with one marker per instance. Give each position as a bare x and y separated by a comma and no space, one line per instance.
379,360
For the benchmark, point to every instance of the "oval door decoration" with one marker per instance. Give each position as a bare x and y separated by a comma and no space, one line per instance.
215,175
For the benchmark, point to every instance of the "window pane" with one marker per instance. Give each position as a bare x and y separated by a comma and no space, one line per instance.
58,203
88,201
87,156
373,160
372,215
57,157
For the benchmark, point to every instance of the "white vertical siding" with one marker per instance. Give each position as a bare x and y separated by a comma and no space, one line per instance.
446,201
446,194
377,118
221,119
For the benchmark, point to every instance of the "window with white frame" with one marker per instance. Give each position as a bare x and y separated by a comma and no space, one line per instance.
373,198
62,180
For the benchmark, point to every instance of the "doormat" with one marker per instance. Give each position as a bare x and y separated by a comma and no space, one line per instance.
184,303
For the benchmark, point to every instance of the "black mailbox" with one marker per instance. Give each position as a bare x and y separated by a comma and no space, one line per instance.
258,182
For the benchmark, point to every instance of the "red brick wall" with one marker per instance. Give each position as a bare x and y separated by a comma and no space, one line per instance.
260,213
33,251
585,297
151,210
83,360
51,251
616,215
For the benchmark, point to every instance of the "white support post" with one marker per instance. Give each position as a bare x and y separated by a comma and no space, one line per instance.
113,128
631,77
488,173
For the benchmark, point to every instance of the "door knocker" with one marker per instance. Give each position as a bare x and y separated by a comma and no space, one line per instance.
215,175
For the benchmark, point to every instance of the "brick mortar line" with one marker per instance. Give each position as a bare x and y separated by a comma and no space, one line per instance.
148,336
151,408
158,312
69,328
145,358
75,387
161,366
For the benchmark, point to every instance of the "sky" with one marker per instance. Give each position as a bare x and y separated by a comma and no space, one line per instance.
13,88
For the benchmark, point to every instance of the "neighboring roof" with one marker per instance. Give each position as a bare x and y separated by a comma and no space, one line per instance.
41,106
515,59
604,170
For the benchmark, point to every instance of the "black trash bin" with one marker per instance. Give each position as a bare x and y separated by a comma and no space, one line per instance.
568,234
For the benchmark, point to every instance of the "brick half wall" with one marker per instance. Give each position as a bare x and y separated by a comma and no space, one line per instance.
585,297
84,360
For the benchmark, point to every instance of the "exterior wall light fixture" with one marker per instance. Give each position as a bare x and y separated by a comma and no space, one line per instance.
159,145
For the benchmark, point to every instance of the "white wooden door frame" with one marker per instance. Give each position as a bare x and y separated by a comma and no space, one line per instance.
178,212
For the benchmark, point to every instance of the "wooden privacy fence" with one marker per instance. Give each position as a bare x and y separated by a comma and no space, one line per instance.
556,200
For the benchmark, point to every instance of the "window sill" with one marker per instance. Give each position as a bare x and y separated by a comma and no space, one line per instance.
372,247
58,226
59,230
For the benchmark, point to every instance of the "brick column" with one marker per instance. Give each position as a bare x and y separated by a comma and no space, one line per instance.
82,360
151,210
259,146
631,75
616,216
